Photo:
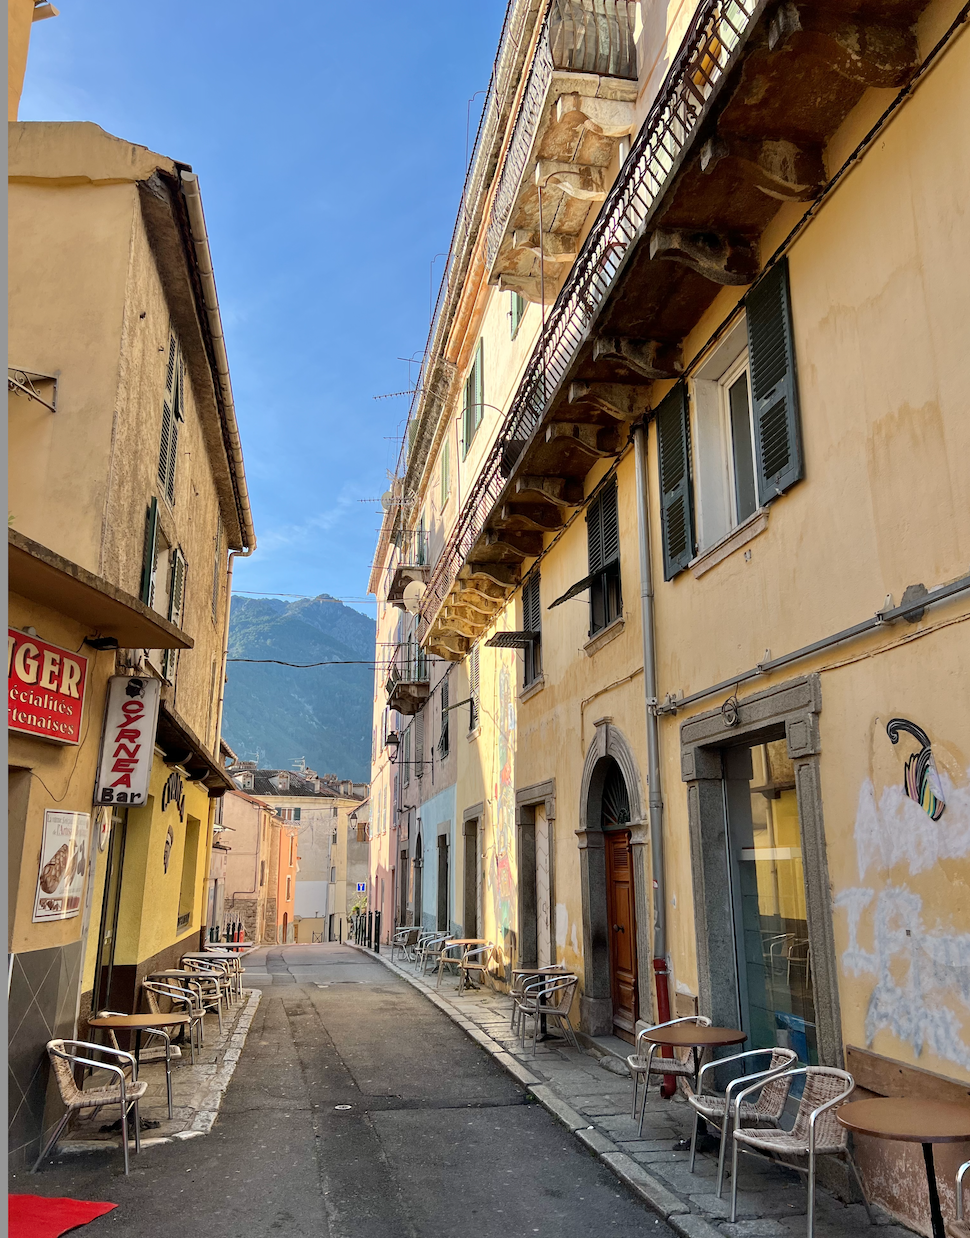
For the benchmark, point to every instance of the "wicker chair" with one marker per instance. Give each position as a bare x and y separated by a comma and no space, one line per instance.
550,997
65,1056
187,1000
776,1083
477,960
816,1132
685,1067
959,1228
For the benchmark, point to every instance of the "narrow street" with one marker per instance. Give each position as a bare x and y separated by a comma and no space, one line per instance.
435,1140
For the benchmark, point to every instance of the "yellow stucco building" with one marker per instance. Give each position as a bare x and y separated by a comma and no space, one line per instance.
683,515
127,500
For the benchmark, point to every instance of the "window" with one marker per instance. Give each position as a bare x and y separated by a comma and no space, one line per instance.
292,845
473,687
474,400
445,472
406,760
603,544
333,874
743,447
444,739
173,412
289,888
516,313
532,623
262,872
176,608
290,814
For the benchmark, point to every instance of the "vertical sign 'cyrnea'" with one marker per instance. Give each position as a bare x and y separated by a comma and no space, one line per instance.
128,745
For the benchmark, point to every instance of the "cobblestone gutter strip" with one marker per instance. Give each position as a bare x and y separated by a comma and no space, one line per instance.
650,1189
211,1091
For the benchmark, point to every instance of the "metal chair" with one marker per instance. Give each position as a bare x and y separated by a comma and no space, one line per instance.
187,999
521,976
547,999
476,959
816,1132
770,1105
958,1228
686,1067
165,1052
444,958
214,983
405,939
430,950
65,1056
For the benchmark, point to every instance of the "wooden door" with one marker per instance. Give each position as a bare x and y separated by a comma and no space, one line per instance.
622,928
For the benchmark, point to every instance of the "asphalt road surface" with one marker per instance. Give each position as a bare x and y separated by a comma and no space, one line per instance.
357,1110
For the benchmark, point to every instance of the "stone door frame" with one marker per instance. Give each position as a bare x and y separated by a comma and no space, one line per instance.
526,801
596,1003
792,708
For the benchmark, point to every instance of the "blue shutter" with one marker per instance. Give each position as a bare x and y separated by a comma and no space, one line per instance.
676,497
774,390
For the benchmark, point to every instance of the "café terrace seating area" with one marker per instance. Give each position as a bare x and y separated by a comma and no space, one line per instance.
609,1094
172,1058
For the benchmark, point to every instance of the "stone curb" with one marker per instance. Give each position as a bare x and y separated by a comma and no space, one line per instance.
205,1118
650,1189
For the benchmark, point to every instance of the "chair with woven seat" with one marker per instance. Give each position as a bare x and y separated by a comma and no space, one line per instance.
545,999
776,1084
66,1056
405,940
684,1068
958,1228
187,1000
477,959
816,1132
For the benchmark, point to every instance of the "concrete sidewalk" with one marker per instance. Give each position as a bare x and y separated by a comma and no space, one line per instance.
590,1092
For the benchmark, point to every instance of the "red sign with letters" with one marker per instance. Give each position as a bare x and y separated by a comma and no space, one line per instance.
45,688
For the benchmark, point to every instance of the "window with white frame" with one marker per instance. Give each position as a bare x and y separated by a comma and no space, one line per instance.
724,449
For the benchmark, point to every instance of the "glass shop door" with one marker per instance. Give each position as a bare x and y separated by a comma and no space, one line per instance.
768,891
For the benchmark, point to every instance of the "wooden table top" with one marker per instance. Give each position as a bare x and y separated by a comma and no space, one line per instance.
140,1021
691,1035
907,1119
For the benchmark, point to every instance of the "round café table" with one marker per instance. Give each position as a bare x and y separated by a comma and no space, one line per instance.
909,1120
139,1023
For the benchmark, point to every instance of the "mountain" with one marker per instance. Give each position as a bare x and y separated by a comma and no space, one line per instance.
282,712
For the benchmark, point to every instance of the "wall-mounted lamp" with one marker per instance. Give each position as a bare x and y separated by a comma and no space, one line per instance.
392,743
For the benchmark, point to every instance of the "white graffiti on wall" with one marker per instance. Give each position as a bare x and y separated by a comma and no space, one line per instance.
922,972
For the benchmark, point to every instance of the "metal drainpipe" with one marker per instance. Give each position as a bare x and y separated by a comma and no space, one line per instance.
655,794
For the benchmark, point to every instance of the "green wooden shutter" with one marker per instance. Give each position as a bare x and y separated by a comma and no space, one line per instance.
610,524
594,536
774,390
473,686
176,609
467,427
445,472
148,553
478,372
676,497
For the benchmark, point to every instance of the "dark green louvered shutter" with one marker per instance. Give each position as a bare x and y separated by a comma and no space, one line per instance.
676,498
148,552
610,524
774,390
473,686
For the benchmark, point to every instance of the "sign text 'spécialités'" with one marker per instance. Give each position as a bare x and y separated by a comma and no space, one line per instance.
45,688
131,717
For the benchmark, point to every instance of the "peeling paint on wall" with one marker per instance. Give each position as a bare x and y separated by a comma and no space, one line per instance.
921,968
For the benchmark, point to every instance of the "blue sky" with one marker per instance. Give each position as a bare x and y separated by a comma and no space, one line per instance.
330,145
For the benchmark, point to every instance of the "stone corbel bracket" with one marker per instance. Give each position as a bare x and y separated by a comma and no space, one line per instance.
610,118
779,168
721,259
587,184
650,358
620,401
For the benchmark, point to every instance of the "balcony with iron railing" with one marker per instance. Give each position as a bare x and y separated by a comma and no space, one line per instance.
576,107
408,683
507,510
410,565
737,130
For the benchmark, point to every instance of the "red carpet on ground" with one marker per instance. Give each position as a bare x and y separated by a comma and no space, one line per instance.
36,1216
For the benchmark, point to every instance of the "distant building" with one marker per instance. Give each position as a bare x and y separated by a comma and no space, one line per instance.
318,810
258,887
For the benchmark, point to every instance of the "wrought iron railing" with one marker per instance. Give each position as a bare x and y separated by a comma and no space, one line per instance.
582,36
409,664
715,36
413,548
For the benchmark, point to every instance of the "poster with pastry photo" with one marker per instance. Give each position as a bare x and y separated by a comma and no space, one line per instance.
63,863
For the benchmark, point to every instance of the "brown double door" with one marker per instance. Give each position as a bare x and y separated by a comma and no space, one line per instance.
622,929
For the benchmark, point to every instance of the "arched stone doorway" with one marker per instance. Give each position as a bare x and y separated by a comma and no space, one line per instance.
612,842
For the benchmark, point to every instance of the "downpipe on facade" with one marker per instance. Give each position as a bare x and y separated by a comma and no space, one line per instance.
661,971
